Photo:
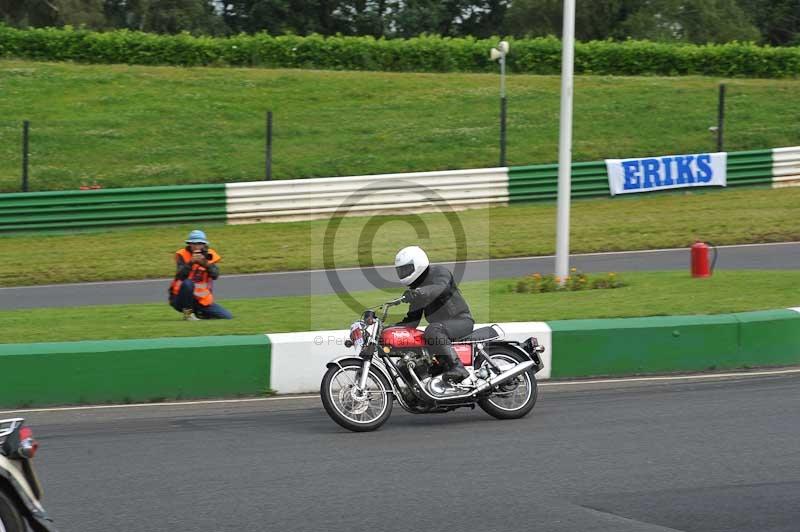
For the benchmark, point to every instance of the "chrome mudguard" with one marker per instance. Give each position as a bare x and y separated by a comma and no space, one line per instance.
11,471
518,348
376,362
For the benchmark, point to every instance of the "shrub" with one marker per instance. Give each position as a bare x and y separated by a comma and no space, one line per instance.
427,53
576,280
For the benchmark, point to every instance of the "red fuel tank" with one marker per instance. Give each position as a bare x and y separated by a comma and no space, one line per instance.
402,337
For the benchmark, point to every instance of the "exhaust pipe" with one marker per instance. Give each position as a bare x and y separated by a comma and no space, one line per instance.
507,375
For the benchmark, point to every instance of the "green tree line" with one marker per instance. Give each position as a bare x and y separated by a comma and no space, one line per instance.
775,22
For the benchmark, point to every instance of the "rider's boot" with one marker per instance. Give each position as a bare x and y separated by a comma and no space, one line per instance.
456,372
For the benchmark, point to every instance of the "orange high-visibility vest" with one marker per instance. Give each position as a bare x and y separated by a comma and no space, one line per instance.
203,283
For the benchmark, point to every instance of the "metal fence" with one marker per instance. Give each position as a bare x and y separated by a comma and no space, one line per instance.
115,152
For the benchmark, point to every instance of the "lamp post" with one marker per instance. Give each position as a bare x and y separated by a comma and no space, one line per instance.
499,54
565,141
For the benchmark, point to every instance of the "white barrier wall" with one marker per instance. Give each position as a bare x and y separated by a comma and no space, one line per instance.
300,199
299,359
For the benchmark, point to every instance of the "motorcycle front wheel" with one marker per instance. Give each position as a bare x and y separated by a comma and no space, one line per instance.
10,518
515,398
352,408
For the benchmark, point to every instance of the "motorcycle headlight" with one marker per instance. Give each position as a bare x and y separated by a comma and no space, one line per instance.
357,331
356,336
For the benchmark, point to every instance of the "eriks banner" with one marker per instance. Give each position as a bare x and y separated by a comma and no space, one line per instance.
661,173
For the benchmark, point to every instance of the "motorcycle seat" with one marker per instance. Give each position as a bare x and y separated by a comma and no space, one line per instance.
484,334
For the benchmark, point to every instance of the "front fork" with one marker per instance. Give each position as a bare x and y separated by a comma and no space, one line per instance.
362,379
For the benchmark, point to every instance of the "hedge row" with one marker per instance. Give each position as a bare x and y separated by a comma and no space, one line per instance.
421,54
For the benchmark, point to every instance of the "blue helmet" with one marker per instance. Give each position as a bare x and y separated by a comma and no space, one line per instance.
197,236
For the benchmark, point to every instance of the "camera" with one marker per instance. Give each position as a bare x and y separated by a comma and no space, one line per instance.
202,252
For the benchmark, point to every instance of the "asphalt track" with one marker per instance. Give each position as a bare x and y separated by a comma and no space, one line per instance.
705,455
316,282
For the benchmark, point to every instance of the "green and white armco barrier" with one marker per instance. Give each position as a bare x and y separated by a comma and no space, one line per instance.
83,209
231,366
786,167
779,167
300,199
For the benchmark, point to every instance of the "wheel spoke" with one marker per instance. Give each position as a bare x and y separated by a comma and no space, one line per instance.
512,399
363,408
336,379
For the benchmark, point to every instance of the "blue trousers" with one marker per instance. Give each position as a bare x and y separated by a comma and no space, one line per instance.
185,299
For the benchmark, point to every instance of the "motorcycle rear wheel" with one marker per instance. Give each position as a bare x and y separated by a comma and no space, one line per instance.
359,412
516,398
10,518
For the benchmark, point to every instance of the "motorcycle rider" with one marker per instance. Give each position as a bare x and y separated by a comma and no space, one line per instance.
432,292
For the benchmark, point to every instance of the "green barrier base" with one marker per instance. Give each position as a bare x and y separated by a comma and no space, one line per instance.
633,346
133,370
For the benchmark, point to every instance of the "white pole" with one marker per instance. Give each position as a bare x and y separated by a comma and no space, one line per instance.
503,76
565,141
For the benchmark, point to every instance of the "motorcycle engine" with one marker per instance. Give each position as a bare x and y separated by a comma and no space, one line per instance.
420,361
428,369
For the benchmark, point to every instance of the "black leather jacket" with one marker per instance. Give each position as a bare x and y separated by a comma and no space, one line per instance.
439,298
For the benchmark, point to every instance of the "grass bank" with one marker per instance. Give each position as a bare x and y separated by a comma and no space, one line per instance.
647,294
623,223
119,125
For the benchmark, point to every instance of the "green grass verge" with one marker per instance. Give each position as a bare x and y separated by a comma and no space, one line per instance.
624,223
124,125
647,294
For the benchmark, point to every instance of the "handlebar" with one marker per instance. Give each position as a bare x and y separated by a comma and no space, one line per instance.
393,302
388,304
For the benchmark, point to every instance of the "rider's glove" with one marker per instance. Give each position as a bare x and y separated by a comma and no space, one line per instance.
410,295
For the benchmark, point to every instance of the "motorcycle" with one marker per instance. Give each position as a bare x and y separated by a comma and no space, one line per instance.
20,491
394,363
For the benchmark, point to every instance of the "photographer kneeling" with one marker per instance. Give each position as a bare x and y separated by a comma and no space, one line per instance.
192,290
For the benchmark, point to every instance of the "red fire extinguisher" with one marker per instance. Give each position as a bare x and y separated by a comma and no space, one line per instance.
700,266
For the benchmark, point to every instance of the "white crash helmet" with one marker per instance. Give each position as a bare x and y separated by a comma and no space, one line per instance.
409,263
